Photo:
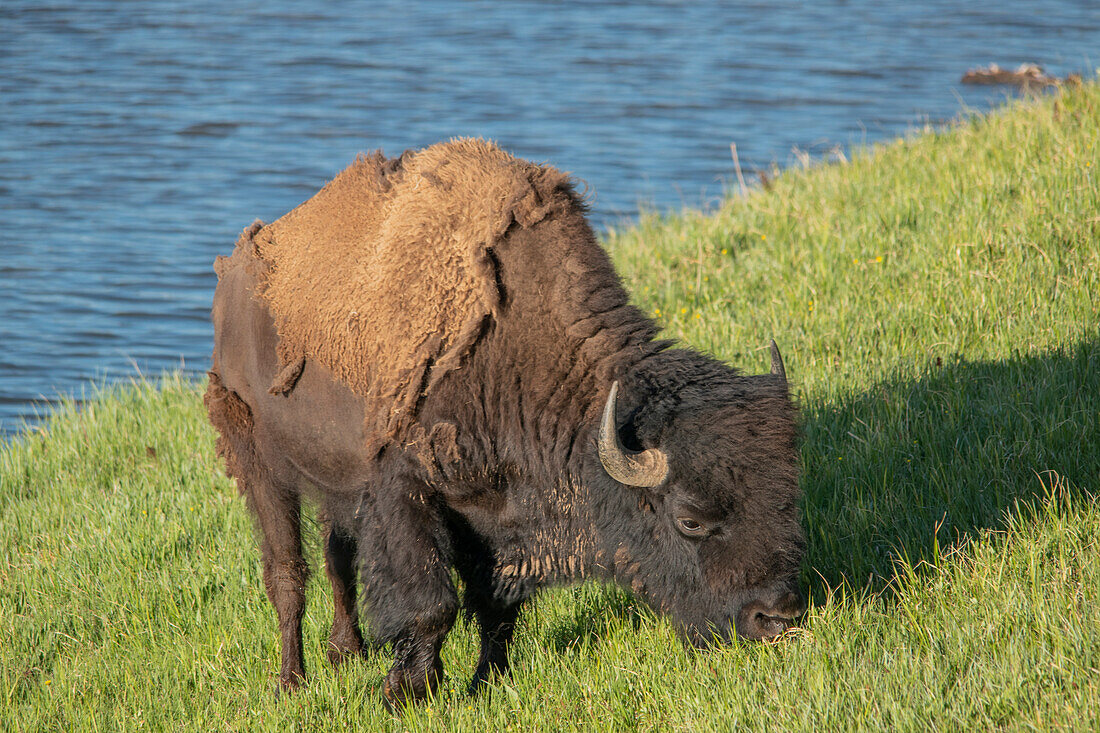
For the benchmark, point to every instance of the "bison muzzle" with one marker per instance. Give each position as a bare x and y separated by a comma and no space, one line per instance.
436,351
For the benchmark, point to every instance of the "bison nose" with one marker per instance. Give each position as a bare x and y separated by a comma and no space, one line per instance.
763,620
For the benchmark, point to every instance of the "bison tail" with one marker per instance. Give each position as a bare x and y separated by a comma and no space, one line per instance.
232,418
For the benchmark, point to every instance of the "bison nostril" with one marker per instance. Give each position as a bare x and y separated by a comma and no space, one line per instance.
770,614
771,626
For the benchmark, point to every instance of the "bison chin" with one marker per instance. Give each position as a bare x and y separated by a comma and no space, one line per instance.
760,614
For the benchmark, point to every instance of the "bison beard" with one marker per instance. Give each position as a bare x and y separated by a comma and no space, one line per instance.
437,352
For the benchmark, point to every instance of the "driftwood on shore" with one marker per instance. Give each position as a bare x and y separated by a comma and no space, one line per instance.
1026,76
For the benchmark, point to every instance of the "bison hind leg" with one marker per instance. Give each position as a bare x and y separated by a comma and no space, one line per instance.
277,510
345,639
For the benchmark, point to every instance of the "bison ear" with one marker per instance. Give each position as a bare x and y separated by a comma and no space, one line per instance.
645,469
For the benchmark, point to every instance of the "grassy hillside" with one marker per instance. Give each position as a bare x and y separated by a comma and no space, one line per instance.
938,303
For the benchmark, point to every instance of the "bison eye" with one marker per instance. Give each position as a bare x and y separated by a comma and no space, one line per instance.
689,526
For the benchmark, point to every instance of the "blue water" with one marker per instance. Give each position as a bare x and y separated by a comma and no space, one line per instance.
138,138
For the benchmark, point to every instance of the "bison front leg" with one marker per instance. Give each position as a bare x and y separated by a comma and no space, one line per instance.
495,616
498,623
404,551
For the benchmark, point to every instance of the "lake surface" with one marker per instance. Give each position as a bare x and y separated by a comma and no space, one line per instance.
138,138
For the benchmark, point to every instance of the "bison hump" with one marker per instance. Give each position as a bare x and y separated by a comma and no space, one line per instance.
385,276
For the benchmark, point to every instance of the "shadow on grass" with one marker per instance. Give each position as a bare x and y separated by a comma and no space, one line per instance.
911,468
597,611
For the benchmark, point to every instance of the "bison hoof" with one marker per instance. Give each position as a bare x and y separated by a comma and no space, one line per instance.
338,655
401,689
290,683
484,673
340,650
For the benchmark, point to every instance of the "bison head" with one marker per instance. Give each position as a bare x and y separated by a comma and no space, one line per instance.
707,525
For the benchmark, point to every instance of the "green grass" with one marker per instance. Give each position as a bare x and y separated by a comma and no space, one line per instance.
938,304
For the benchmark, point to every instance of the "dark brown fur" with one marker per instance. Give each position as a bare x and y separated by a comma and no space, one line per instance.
498,475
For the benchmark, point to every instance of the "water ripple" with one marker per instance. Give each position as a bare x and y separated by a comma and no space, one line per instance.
139,138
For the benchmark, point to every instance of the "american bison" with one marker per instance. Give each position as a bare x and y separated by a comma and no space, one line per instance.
435,350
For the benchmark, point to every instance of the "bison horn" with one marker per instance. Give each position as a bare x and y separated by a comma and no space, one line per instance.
645,468
777,364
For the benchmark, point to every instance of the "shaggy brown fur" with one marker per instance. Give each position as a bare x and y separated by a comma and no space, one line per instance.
387,276
452,311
